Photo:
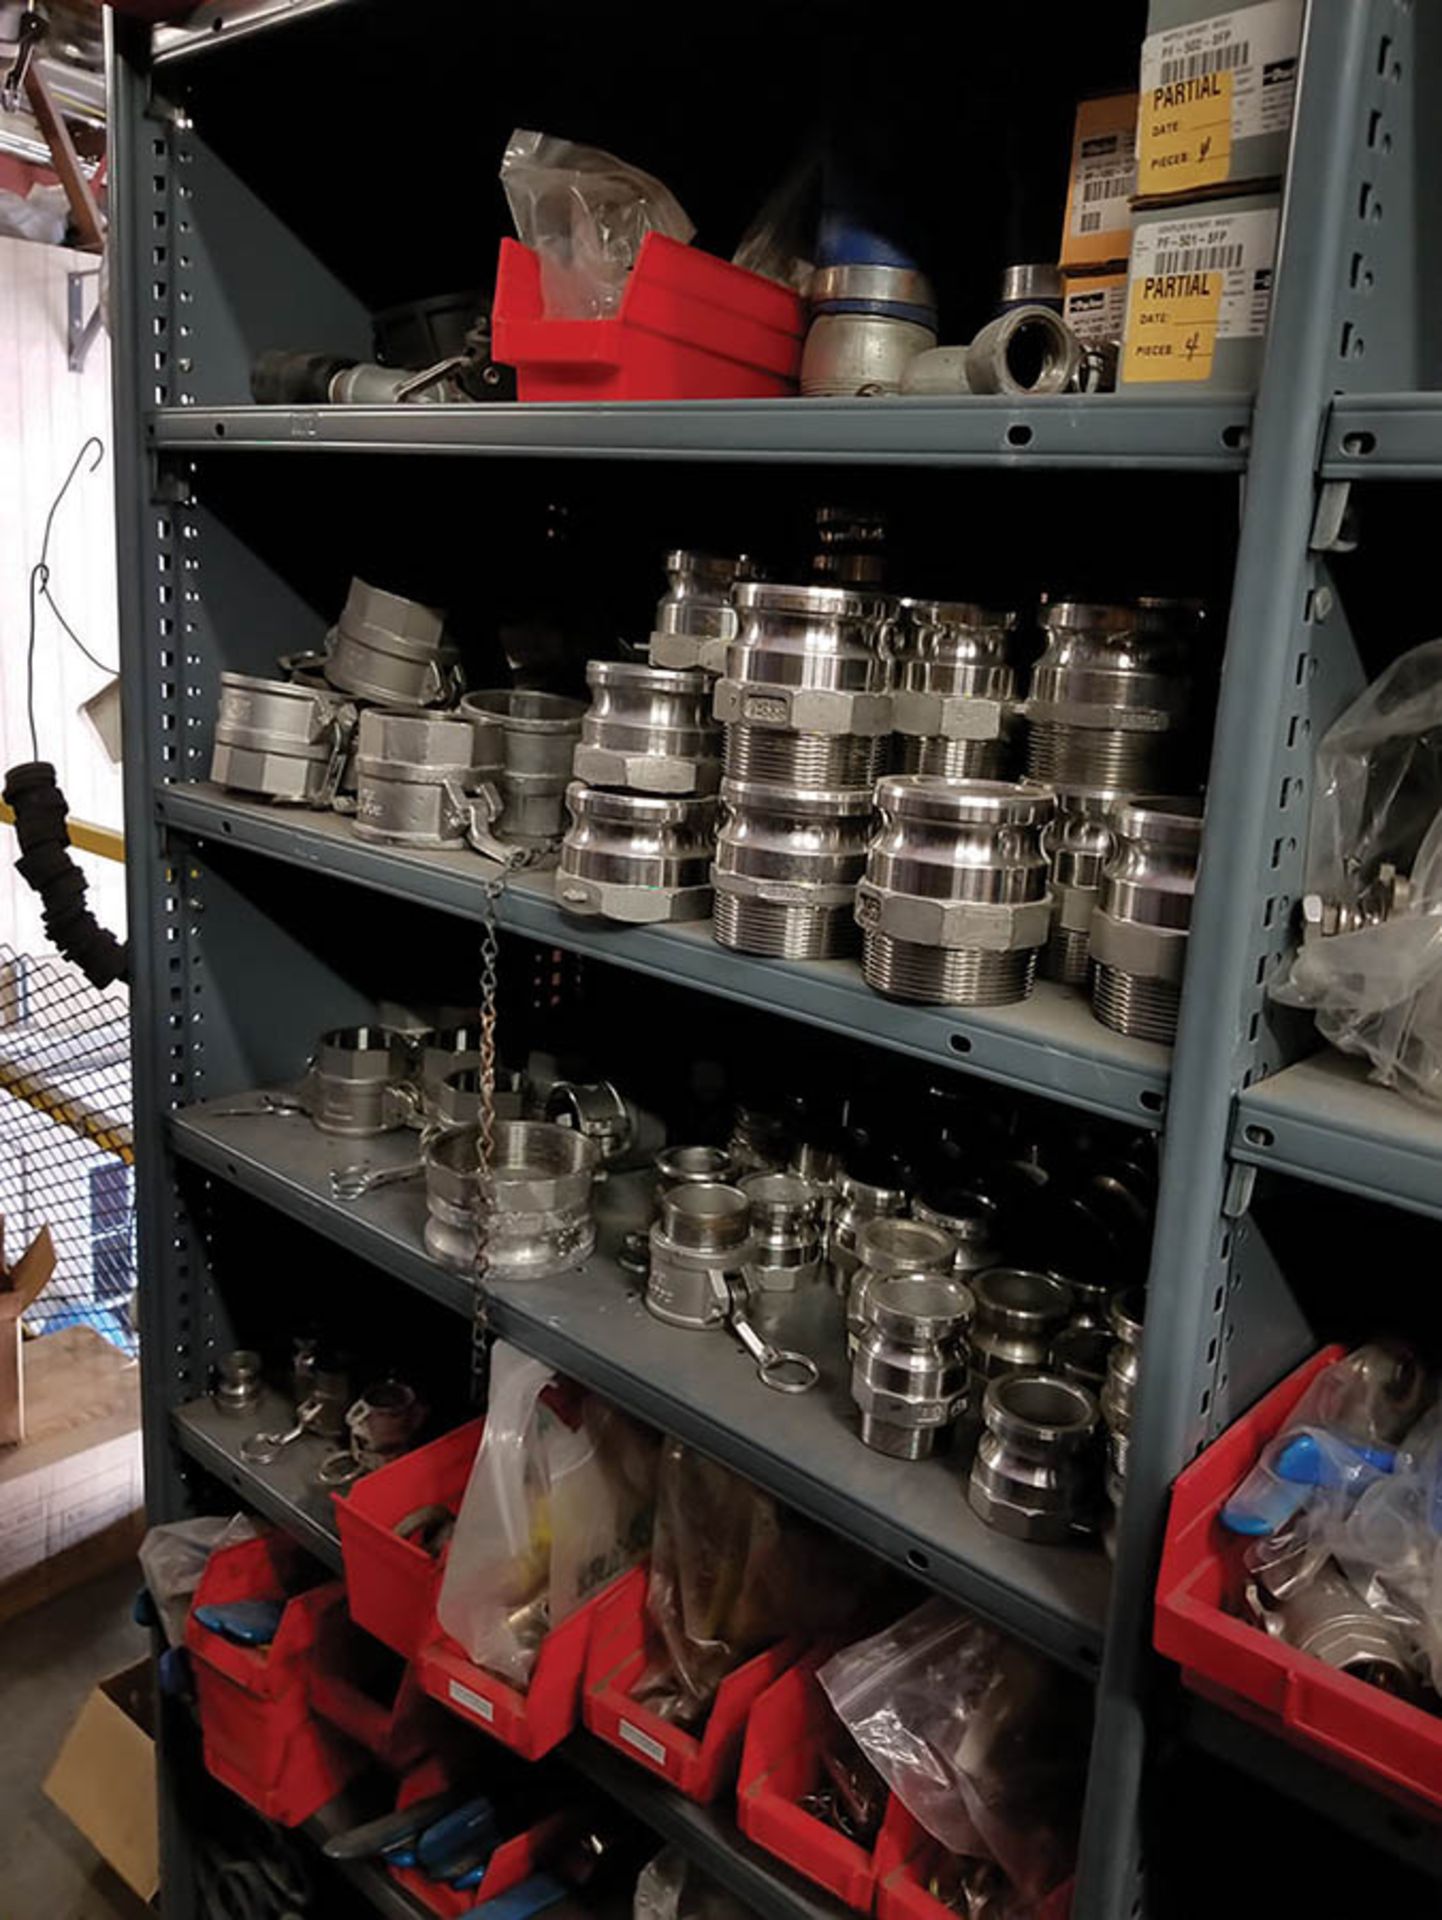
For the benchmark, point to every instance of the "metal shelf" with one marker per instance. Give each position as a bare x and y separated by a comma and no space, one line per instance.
287,1490
1323,1120
1383,436
1048,1045
593,1326
221,23
1092,430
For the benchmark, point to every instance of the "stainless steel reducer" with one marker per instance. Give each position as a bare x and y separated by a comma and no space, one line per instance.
541,1181
695,617
539,735
787,863
389,649
1032,1477
648,729
280,739
1109,695
424,780
359,1082
954,709
1140,927
955,906
908,1376
636,857
1076,842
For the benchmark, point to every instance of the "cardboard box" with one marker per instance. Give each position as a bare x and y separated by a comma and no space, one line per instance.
1199,295
1094,305
1097,227
103,1779
1217,94
19,1287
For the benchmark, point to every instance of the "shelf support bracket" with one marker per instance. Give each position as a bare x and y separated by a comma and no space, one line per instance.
1333,525
80,332
1237,1201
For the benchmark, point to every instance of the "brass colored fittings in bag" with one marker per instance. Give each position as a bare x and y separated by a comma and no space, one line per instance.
908,1375
1032,1476
1109,695
1140,927
426,780
786,1237
1076,842
648,730
955,906
641,858
700,1244
541,1179
955,700
787,863
280,739
391,650
695,620
539,733
359,1082
855,1203
887,1247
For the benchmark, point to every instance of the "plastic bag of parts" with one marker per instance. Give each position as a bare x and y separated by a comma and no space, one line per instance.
585,213
172,1559
983,1741
731,1573
558,1503
780,242
671,1887
1374,866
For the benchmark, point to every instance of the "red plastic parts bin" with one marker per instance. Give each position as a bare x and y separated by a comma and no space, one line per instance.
353,1687
259,1735
905,1857
689,327
620,1648
513,1861
390,1582
1227,1659
781,1762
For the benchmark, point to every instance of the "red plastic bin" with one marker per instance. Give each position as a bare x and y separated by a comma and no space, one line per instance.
621,1646
905,1857
259,1736
689,327
354,1686
513,1861
392,1583
530,1723
1359,1728
780,1763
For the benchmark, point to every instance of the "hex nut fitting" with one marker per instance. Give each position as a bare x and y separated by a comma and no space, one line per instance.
641,906
783,893
1156,953
645,772
986,926
689,650
950,716
1075,906
801,709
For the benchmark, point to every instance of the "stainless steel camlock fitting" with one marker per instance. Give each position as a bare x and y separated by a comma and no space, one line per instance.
786,1237
886,1247
856,1202
641,858
954,906
1076,842
1032,1476
648,730
359,1082
869,322
540,1179
426,780
1018,1315
624,1134
908,1373
1109,695
955,702
539,732
279,739
695,618
787,863
970,1219
391,650
693,1167
1140,927
457,1100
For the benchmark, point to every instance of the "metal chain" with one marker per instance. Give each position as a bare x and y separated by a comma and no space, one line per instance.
492,887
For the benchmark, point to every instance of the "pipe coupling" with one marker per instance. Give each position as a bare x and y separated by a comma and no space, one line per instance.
635,857
390,649
540,1183
1032,1476
359,1082
424,780
648,730
1138,940
908,1375
700,1245
279,739
886,1247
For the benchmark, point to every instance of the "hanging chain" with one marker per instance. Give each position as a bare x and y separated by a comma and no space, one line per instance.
492,888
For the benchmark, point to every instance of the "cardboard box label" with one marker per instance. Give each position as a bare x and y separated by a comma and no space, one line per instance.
1194,282
1207,85
1096,309
1104,178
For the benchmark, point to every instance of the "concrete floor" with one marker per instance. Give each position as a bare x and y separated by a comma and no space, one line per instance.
49,1660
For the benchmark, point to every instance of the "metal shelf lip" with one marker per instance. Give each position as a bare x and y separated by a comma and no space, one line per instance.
1383,436
221,23
1054,430
286,1491
1323,1120
1048,1045
701,1388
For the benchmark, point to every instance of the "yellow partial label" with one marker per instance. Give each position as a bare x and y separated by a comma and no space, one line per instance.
1172,326
1184,135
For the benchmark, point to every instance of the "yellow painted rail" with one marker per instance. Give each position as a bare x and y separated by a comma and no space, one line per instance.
108,842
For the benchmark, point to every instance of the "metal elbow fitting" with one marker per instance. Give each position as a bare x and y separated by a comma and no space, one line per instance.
280,739
391,650
1109,695
908,1375
1076,843
1026,350
694,617
640,858
649,730
869,322
1033,1473
954,705
1139,930
885,1247
787,863
954,906
425,780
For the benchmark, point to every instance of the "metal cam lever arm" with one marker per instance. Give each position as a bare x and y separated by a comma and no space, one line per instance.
780,1368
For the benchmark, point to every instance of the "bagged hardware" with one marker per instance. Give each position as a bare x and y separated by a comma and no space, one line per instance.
983,1741
671,1887
585,213
173,1557
559,1502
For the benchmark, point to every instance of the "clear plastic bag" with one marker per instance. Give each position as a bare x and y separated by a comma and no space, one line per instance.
172,1559
1377,990
983,1741
671,1887
559,1502
585,213
780,242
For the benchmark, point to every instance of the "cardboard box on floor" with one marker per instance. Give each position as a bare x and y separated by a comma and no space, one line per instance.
103,1779
19,1286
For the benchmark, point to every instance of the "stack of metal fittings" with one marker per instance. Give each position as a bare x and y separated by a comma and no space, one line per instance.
540,1180
359,1082
1080,1354
390,650
955,906
1076,843
1018,1316
649,730
850,547
539,735
1119,1390
700,1245
758,1142
786,1256
1032,1476
695,619
693,1167
787,863
885,1248
1031,283
642,858
955,703
440,1051
457,1101
857,1201
969,1217
1109,695
868,323
426,780
280,739
623,1134
909,1372
1140,926
238,1383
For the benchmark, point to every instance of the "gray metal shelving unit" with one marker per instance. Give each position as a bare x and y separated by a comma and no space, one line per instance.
225,995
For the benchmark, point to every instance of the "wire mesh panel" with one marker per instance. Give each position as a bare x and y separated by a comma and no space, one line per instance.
66,1149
